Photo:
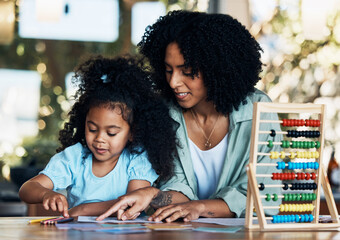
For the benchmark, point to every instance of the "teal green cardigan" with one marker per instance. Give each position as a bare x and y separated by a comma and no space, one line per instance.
232,185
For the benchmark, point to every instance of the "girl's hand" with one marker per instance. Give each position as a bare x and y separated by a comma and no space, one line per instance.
188,211
56,202
130,205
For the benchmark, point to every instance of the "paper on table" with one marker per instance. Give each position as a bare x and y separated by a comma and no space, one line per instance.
113,220
220,230
222,221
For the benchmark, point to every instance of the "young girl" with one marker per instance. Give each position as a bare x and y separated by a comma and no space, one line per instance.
119,138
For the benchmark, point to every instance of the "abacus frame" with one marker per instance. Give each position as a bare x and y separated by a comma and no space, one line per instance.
253,194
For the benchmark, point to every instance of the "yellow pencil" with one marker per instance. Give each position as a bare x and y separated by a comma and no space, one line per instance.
39,220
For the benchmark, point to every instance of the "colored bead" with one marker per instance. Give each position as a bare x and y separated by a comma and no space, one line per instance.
285,186
270,143
273,133
282,154
275,197
268,197
261,188
317,144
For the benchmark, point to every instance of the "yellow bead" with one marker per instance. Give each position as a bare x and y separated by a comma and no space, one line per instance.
283,155
292,155
317,154
282,208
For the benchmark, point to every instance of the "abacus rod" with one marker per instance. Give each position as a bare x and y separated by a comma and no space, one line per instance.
264,196
274,185
270,175
275,131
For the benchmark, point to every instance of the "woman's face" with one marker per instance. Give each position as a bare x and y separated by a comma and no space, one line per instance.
189,91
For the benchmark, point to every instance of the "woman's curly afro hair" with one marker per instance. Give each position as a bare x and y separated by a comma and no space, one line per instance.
126,86
216,45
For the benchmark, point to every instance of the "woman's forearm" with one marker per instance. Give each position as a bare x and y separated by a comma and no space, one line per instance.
164,198
215,208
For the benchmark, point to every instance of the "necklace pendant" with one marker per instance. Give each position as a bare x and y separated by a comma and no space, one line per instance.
207,144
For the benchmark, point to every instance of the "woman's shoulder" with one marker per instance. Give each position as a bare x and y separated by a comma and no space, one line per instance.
259,96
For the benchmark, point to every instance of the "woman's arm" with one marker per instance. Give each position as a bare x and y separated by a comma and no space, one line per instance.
134,202
39,190
192,210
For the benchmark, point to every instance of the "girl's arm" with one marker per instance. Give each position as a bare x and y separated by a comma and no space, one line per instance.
39,190
97,208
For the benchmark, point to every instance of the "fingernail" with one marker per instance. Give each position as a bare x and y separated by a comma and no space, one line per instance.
124,218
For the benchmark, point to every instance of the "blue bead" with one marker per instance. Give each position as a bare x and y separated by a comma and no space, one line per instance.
297,218
304,165
310,165
311,218
290,165
274,219
316,165
302,218
306,218
285,218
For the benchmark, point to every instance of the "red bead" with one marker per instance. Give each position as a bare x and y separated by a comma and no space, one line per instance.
284,122
318,123
292,176
307,176
302,122
313,176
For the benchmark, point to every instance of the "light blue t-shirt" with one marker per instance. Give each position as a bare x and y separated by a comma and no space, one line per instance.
71,171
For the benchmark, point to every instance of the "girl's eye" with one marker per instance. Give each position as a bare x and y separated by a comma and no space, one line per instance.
92,130
112,134
168,71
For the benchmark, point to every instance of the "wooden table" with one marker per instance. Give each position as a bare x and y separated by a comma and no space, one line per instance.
18,228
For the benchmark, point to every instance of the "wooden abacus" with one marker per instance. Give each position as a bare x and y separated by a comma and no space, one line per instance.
318,176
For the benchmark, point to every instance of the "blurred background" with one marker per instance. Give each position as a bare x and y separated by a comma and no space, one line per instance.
41,41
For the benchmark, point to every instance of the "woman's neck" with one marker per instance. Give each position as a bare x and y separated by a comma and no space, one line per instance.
205,110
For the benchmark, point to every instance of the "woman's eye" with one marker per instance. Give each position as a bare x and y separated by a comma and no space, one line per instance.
168,71
188,74
92,130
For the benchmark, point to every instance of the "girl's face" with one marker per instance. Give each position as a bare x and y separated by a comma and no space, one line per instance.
189,90
106,133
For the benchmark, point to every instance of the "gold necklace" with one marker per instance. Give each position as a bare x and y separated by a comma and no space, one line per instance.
207,139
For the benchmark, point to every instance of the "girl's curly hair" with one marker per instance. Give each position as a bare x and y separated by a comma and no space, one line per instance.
122,83
216,45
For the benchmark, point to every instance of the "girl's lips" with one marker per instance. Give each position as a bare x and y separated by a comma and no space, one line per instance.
100,151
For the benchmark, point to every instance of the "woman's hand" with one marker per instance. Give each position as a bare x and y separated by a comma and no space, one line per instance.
188,211
56,202
130,205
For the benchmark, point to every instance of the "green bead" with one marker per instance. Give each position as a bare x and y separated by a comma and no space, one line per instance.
285,197
270,143
294,197
297,195
317,144
314,196
268,197
303,198
275,197
290,197
308,197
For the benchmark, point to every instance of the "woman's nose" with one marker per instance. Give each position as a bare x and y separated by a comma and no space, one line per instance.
175,80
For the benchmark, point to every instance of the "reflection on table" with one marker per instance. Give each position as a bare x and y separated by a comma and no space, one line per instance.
19,228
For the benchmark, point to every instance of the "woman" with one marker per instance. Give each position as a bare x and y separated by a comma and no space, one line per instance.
206,65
